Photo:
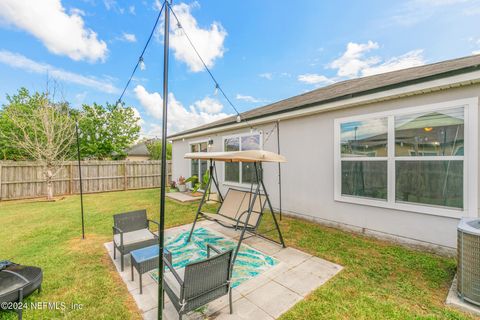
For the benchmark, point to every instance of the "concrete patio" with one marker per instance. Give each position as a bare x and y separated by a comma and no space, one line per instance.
266,296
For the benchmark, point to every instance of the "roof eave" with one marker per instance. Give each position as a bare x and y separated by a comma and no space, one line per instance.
453,74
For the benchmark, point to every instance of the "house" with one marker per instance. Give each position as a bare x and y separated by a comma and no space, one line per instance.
393,155
138,152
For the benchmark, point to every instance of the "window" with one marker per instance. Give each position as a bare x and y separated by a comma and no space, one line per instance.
241,172
198,167
417,159
364,158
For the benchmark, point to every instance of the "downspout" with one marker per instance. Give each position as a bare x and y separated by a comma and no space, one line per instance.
279,171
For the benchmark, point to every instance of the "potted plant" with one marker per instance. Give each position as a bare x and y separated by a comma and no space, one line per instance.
173,186
197,185
181,185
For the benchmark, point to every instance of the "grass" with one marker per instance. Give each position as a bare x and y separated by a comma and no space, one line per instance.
380,280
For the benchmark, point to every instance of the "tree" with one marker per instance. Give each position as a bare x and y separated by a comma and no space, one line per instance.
154,147
107,131
22,102
41,130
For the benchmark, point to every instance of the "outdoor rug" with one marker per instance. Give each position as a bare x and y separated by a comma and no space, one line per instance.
248,265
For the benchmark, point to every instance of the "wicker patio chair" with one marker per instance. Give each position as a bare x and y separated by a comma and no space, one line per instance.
200,282
131,232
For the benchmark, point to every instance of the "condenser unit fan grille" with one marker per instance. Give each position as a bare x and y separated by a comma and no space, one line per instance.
468,272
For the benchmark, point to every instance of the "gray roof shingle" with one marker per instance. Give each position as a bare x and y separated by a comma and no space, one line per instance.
352,88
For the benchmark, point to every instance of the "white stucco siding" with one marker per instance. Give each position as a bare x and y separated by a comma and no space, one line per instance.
308,176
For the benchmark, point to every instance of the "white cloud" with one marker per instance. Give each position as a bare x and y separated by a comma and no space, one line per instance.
131,9
61,33
266,75
248,98
313,78
410,59
129,37
475,42
352,60
77,11
137,114
355,62
415,11
109,4
209,105
19,61
179,117
209,41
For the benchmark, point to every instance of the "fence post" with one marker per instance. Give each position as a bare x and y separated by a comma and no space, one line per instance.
169,172
0,181
125,176
71,178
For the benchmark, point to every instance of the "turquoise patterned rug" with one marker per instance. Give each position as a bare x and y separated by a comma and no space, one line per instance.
249,264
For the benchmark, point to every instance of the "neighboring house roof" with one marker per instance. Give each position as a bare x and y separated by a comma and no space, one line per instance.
352,88
140,149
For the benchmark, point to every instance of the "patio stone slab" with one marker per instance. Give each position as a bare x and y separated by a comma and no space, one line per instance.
318,267
266,296
274,298
263,246
244,309
182,196
291,256
299,282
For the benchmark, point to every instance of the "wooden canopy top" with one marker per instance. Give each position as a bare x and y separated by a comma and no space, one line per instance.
238,156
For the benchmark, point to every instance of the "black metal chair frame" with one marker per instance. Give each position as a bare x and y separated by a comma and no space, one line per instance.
128,222
203,281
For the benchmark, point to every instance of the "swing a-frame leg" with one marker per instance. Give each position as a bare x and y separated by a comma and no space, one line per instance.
211,178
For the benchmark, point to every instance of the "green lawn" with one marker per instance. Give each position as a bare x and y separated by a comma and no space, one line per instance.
380,280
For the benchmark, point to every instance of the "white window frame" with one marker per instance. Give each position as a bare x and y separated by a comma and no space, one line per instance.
470,161
240,184
190,143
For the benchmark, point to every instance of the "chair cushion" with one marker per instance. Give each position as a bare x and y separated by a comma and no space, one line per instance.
232,222
172,282
133,237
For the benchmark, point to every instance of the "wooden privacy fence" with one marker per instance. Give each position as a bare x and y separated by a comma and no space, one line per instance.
25,179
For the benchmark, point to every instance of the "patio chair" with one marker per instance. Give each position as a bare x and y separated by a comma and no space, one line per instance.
233,211
131,231
199,282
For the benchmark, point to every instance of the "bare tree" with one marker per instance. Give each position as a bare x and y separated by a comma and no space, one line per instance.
45,133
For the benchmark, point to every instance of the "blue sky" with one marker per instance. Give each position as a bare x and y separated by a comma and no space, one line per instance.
260,51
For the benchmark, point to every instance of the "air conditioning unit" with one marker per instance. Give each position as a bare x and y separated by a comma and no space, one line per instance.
468,270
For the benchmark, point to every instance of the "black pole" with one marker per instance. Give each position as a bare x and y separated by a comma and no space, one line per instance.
279,170
80,176
164,159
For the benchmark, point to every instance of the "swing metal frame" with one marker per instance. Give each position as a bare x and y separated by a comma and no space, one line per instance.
260,191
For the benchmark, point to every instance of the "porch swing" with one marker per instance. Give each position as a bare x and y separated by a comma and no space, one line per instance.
239,209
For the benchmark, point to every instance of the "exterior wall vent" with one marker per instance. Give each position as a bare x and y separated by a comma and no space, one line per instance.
468,270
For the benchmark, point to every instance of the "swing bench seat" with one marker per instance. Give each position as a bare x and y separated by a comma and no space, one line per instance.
233,211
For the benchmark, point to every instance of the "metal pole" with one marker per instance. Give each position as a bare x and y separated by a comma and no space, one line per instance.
279,170
164,159
80,176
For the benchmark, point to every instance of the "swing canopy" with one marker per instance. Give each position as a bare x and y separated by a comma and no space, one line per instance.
238,156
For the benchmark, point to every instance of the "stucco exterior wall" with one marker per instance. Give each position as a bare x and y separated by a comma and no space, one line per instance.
308,176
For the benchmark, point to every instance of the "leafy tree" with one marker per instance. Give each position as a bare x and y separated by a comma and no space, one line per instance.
40,130
107,131
154,147
24,103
